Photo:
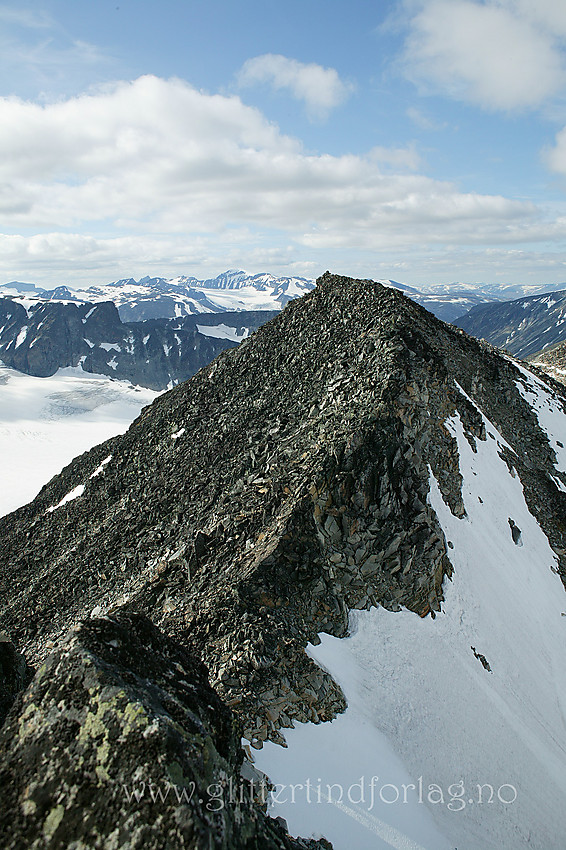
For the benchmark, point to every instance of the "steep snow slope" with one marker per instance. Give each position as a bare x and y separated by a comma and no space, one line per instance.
475,697
46,422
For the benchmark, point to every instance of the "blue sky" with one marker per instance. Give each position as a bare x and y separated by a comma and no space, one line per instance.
422,140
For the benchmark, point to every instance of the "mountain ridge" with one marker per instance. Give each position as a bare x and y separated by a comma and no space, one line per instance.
284,486
206,392
159,297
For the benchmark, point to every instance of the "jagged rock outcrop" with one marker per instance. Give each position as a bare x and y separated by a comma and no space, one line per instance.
120,742
284,485
158,353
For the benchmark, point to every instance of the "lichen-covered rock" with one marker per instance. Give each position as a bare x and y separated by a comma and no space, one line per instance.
119,742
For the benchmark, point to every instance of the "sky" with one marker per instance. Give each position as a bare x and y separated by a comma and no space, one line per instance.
418,140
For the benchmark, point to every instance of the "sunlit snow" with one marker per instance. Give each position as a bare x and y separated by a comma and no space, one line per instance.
549,411
222,331
72,494
46,422
100,469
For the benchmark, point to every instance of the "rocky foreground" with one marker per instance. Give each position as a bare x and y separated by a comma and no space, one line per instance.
243,513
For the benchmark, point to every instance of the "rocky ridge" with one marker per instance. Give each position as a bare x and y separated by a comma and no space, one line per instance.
251,508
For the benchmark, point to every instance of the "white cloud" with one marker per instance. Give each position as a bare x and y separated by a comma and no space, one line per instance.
27,18
159,155
555,157
73,259
155,170
37,54
501,54
321,89
549,15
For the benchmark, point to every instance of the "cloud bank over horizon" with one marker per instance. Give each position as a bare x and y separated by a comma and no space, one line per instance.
156,174
158,158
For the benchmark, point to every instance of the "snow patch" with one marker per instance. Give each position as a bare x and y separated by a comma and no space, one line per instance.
73,494
101,467
21,336
222,331
549,411
46,422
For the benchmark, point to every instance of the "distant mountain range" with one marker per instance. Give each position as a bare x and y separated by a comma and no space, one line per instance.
235,290
157,332
523,327
159,298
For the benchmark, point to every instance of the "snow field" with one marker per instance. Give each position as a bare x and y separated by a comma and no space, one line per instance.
46,422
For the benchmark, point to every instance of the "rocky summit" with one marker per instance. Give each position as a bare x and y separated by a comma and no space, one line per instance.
243,513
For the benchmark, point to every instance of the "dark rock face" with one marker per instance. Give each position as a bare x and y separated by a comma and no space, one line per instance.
254,506
14,675
523,326
159,353
120,742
